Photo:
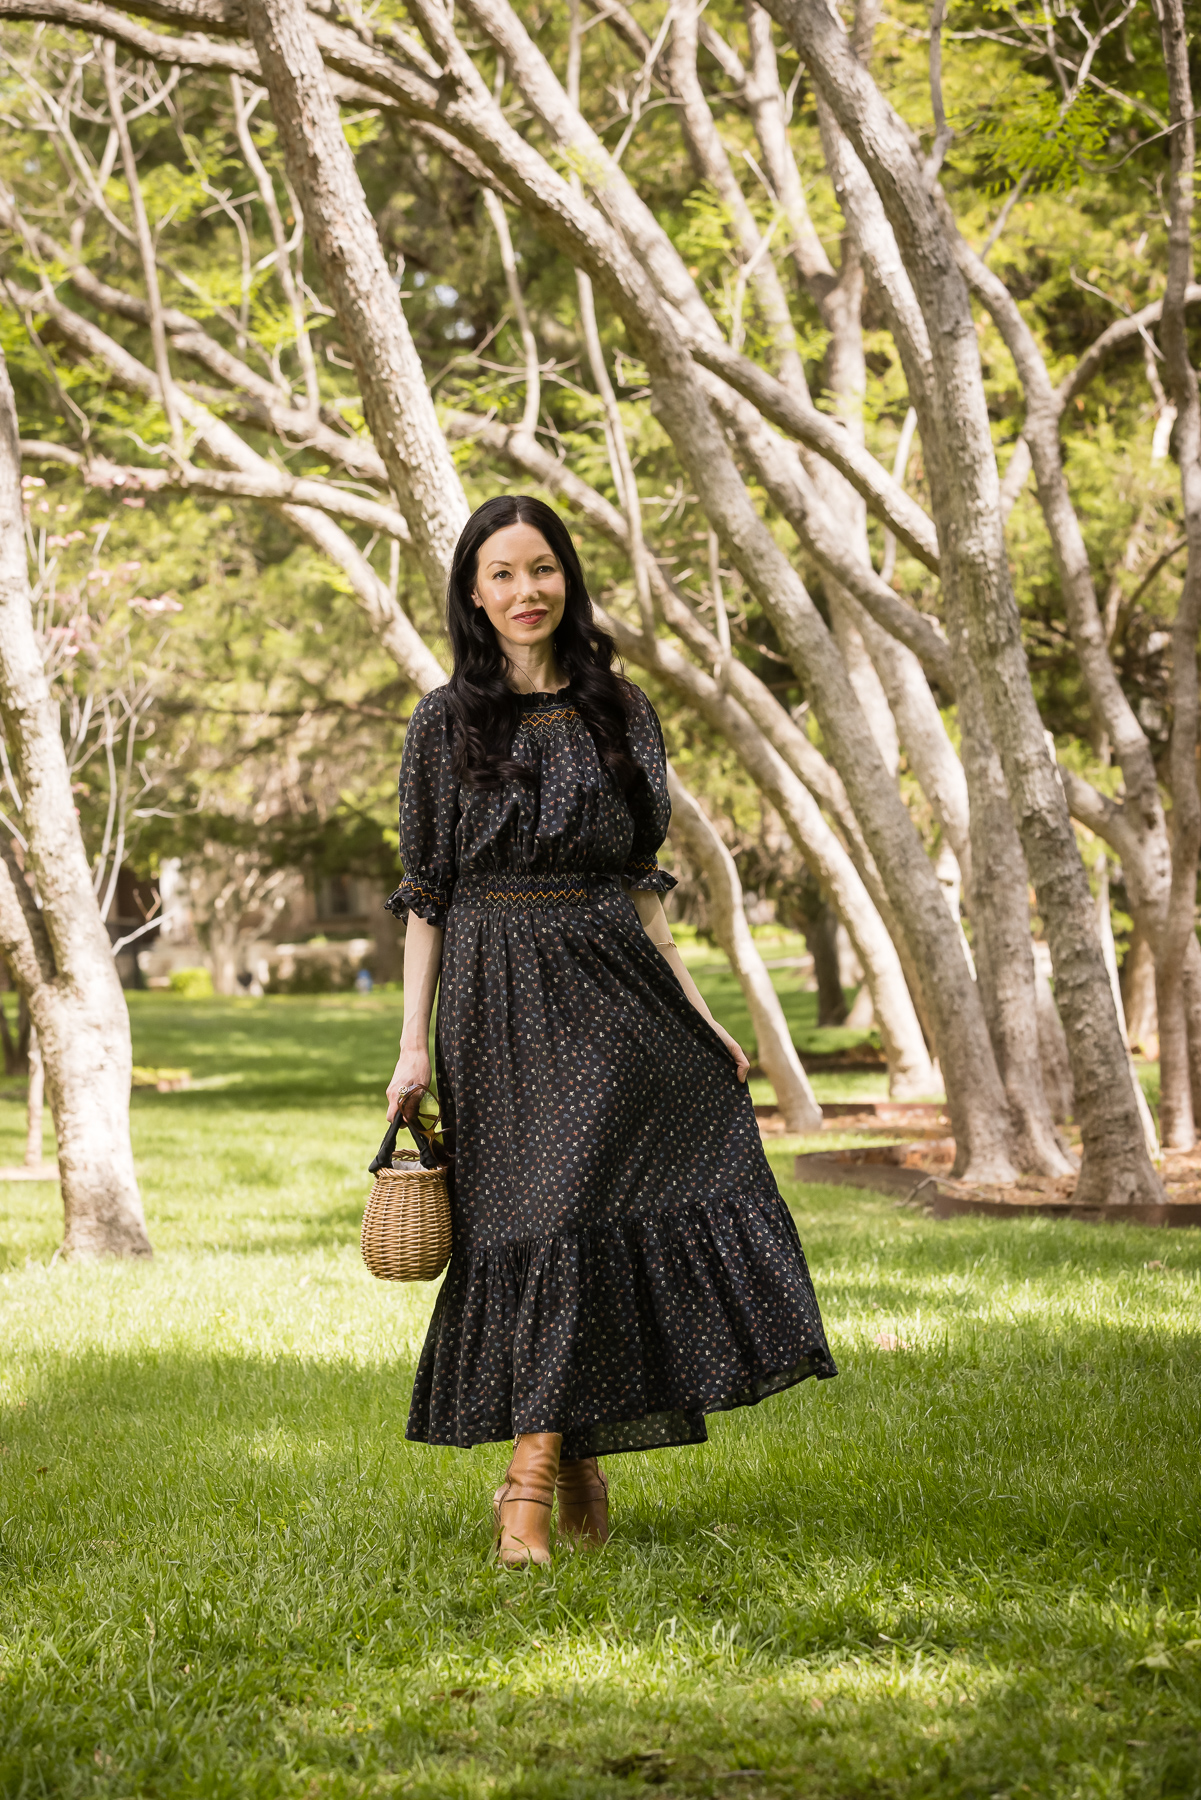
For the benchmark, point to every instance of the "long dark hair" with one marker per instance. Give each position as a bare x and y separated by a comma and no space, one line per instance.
484,709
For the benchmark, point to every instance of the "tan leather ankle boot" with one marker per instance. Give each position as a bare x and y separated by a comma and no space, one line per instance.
583,1502
521,1505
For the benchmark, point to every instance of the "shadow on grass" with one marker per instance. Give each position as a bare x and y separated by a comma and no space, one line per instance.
228,1574
1075,1437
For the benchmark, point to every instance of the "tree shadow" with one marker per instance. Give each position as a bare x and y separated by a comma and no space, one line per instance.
873,1586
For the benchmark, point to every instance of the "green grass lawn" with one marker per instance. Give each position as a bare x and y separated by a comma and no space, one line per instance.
968,1567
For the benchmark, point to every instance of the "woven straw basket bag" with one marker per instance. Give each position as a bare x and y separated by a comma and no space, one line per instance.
406,1227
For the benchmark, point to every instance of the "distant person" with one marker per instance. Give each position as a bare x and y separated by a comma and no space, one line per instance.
623,1263
364,981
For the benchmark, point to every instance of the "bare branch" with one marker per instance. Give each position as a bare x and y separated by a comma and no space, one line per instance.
942,131
266,483
533,369
158,334
712,164
190,51
283,261
831,440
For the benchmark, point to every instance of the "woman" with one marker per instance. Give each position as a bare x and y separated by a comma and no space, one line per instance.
623,1263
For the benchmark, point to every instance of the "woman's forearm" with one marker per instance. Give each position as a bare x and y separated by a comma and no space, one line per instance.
649,907
423,964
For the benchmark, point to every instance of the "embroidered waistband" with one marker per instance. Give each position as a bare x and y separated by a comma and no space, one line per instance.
506,893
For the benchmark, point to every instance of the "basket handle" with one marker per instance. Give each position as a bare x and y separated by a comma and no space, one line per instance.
387,1150
383,1156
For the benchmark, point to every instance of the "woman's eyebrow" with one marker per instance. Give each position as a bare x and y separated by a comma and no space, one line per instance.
508,562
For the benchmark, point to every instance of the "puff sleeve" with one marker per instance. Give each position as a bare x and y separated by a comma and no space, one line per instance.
429,815
647,800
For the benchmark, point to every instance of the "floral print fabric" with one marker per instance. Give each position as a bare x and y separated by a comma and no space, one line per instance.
623,1262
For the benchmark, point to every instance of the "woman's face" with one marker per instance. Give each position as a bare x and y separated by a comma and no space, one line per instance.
520,584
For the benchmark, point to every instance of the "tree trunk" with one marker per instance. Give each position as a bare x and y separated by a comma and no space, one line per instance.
821,935
997,900
727,921
59,951
962,469
909,1070
862,1016
1108,950
1181,383
1138,998
999,908
35,1105
222,945
1052,1042
396,401
1192,1001
789,770
308,122
16,1049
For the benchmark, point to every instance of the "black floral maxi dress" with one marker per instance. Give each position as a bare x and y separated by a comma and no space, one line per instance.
623,1262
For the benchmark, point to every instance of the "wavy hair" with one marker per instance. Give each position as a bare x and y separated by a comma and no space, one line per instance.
484,709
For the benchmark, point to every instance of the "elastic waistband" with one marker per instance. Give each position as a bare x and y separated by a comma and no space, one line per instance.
509,893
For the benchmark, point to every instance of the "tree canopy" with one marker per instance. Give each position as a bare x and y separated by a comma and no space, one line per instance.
605,226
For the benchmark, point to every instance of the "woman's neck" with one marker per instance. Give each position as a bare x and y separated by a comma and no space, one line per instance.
532,668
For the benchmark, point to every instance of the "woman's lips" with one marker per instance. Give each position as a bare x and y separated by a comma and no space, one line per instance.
528,618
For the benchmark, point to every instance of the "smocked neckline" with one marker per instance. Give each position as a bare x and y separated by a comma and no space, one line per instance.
540,699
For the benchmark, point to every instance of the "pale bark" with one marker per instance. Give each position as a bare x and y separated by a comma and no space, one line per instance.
1181,383
963,474
1149,857
397,403
283,261
620,461
626,210
1138,998
828,437
145,243
825,508
35,1105
192,50
533,373
910,1072
58,951
395,631
910,1069
1052,1041
837,294
712,164
269,482
910,1065
728,923
459,102
999,908
822,532
1108,950
920,725
845,618
997,897
862,1016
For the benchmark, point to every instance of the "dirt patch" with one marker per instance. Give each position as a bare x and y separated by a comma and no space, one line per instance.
916,1170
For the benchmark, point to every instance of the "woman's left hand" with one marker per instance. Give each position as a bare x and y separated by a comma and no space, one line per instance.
742,1061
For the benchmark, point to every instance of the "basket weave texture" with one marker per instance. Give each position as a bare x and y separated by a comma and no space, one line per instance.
406,1227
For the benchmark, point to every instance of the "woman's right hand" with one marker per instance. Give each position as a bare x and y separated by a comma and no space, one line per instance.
412,1072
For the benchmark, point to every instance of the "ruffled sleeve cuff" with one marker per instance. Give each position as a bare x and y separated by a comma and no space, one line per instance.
431,903
646,877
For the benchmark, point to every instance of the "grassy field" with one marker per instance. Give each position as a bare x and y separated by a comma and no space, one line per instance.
968,1567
